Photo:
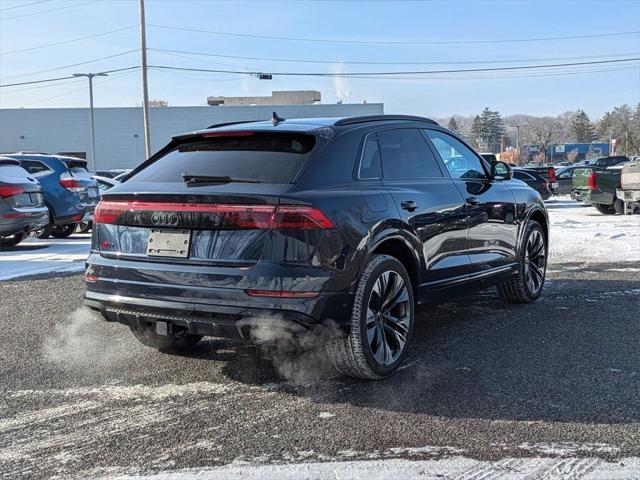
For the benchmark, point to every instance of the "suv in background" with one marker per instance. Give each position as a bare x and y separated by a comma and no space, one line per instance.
261,229
605,162
22,207
70,192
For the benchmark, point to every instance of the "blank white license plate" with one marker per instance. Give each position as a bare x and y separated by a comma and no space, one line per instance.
169,243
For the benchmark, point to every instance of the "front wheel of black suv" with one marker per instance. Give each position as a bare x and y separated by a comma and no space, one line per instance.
381,322
179,342
526,284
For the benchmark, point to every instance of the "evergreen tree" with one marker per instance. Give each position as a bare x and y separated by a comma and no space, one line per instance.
476,130
492,129
582,128
453,125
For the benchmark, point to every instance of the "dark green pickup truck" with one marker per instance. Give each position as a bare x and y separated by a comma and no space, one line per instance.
611,190
597,186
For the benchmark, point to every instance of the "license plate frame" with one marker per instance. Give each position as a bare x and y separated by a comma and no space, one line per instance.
169,243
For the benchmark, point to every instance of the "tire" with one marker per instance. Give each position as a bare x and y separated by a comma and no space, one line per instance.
11,240
43,233
63,231
526,285
172,343
83,227
618,206
604,209
359,353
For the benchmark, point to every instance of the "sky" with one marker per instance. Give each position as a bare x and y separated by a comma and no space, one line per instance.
428,28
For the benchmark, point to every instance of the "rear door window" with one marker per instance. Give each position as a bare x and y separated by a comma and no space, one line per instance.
257,156
35,168
406,155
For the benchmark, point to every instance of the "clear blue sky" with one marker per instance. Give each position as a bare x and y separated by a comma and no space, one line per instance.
23,27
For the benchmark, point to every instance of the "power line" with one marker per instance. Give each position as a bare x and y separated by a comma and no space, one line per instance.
351,74
47,11
358,62
415,72
46,80
73,64
23,5
394,42
64,42
75,90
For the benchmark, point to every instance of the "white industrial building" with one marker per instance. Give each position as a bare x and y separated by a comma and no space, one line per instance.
119,131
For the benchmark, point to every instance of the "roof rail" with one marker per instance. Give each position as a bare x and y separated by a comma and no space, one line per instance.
226,124
382,118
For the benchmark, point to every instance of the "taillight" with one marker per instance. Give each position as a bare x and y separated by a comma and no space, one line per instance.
552,174
71,184
10,190
592,181
240,217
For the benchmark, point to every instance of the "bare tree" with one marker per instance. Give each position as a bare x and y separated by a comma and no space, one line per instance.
543,132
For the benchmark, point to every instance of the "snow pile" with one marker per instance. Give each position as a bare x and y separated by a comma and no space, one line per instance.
581,234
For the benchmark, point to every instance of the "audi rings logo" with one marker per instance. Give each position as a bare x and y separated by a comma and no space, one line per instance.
165,218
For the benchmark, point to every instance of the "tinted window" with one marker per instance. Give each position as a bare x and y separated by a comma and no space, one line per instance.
78,171
35,168
370,162
406,156
564,174
459,159
265,157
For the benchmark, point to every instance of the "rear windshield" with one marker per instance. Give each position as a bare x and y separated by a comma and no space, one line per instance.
259,156
10,172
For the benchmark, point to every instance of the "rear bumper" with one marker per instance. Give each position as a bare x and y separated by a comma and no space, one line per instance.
628,195
237,321
23,220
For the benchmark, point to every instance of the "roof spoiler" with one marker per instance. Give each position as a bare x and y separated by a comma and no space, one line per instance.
382,118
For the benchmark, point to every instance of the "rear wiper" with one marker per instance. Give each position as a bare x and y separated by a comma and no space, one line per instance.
193,179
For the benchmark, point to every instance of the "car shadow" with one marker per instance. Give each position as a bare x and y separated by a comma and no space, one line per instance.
23,248
573,356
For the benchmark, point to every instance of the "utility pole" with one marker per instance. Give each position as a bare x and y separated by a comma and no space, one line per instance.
145,85
517,144
91,117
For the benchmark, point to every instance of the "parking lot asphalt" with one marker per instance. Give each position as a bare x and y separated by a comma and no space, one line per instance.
483,379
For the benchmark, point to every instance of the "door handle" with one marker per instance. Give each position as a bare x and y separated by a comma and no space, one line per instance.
472,201
409,205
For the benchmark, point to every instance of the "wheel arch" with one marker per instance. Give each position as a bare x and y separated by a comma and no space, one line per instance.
402,250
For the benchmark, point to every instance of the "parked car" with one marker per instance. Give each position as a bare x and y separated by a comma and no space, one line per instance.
69,190
104,184
629,191
22,207
548,172
605,162
564,179
533,180
112,173
598,186
289,226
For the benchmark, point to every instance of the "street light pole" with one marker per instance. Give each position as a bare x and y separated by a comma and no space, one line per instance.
91,116
517,144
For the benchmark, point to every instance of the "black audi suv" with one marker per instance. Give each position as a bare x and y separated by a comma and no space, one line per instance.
288,226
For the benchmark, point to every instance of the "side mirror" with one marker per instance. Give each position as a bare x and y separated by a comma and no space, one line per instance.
501,171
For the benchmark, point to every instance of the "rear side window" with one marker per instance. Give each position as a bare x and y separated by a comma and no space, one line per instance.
12,173
406,156
35,168
370,163
259,156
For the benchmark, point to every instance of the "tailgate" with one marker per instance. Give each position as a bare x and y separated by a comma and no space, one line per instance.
580,180
630,177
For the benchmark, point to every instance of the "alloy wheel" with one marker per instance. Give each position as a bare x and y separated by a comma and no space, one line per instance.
388,317
535,261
